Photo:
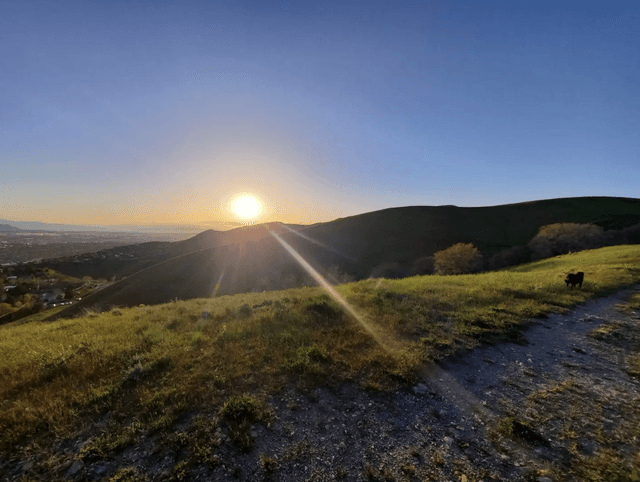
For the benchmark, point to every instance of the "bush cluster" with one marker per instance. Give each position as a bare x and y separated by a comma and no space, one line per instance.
461,258
563,238
550,240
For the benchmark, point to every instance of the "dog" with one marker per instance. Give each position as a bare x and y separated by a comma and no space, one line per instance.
574,279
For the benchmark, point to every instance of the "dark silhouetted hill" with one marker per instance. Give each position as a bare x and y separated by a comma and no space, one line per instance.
250,259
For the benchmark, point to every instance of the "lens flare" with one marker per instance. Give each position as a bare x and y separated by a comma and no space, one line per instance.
329,289
439,380
315,241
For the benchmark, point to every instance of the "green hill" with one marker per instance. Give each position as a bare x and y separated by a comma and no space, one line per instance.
144,368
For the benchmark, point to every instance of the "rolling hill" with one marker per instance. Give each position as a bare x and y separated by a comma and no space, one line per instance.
250,259
175,391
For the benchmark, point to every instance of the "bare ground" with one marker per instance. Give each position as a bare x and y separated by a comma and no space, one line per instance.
562,403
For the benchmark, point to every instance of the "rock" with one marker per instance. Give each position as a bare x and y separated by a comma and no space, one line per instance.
528,472
75,468
448,441
420,389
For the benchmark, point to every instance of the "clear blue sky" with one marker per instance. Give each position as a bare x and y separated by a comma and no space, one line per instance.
154,112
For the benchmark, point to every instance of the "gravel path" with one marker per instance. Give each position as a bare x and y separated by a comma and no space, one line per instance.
448,427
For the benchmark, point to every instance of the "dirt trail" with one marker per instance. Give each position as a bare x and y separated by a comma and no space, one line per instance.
559,405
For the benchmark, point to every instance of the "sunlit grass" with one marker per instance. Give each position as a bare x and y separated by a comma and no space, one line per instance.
156,362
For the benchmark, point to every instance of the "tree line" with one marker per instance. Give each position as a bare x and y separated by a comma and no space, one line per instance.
551,240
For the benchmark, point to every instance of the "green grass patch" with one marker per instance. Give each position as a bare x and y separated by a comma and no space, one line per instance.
608,466
158,362
127,474
111,442
240,409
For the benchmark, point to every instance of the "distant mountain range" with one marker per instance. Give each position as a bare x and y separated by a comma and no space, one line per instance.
8,228
128,228
357,247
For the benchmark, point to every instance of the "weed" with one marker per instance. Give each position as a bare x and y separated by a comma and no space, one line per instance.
202,454
240,434
298,451
241,408
510,426
324,310
110,442
268,464
341,472
438,459
244,311
198,339
408,469
181,471
608,466
163,423
127,475
605,331
387,474
307,359
369,472
633,364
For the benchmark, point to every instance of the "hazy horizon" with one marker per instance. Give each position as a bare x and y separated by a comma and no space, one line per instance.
163,113
196,227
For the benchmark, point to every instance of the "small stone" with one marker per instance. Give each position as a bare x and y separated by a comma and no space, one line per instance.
448,440
528,471
420,389
75,467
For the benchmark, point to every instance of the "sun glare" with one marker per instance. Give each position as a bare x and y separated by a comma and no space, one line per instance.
247,207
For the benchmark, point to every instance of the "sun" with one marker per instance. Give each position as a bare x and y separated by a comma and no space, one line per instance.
247,207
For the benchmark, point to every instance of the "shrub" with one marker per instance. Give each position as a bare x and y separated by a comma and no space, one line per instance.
240,408
389,270
424,265
460,258
244,312
563,238
509,257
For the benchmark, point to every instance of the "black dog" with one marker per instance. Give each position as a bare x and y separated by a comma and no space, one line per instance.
574,279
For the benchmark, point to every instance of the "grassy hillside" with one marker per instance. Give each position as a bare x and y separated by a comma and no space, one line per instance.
146,366
249,259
